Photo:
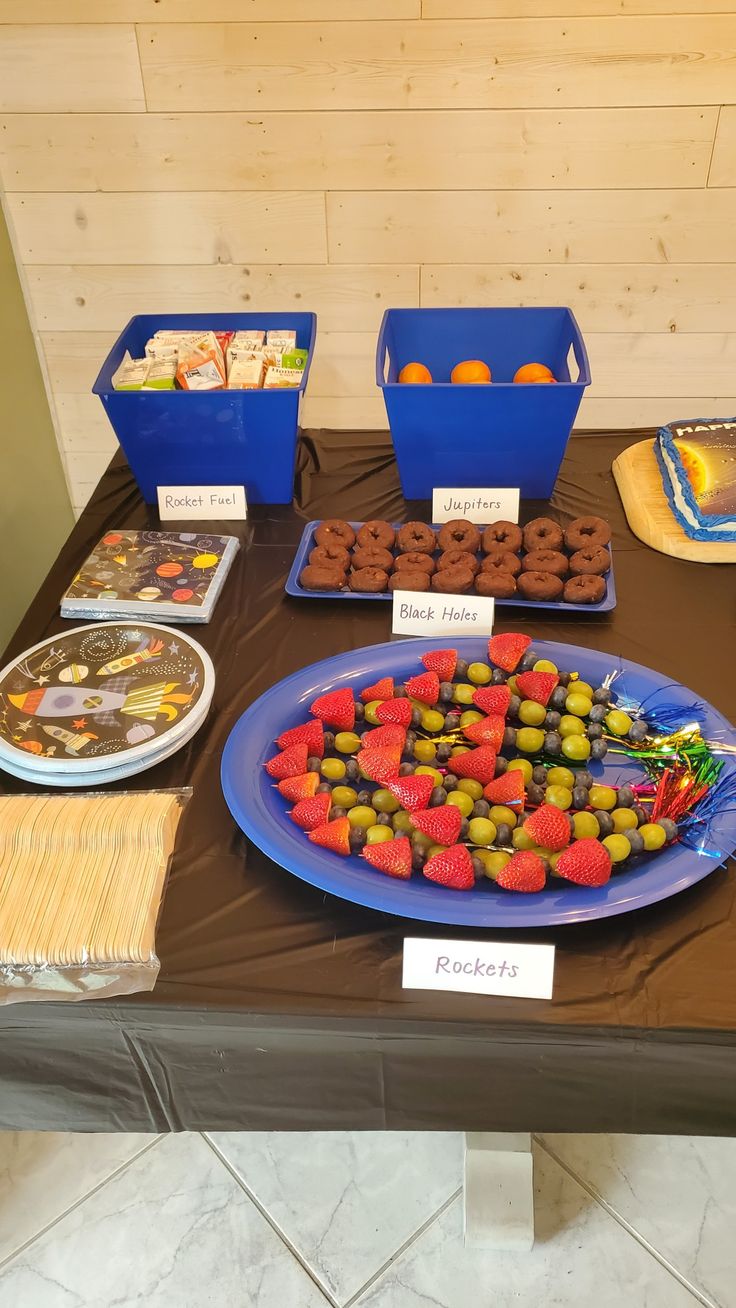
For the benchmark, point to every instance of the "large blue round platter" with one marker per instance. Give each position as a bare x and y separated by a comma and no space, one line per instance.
261,812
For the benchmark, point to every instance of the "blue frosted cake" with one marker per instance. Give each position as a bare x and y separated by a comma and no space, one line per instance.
698,463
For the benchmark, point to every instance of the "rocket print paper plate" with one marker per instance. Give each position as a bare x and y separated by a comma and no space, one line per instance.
102,696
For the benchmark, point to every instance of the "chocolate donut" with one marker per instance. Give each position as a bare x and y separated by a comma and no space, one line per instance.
371,556
453,581
499,557
333,531
377,534
371,580
330,556
503,533
459,534
542,534
592,561
416,538
539,586
416,562
584,589
315,577
545,561
409,579
458,559
585,533
496,583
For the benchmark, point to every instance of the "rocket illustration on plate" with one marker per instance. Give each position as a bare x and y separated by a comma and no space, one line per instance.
150,649
159,698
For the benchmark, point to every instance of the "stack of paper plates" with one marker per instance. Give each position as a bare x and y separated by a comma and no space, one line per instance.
100,703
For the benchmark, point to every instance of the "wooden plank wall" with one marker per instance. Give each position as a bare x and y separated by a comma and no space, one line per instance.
347,155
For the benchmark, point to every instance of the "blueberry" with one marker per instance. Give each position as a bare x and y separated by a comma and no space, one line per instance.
337,812
399,691
535,793
384,820
443,753
352,771
558,697
553,743
416,718
438,796
598,713
509,739
602,695
670,827
546,865
503,833
478,869
418,859
359,710
364,798
580,797
626,797
464,829
539,775
357,838
641,814
498,677
481,808
527,661
450,782
446,690
461,670
552,720
638,731
514,706
501,765
313,764
584,778
410,740
635,840
329,740
594,731
324,788
605,822
598,749
406,769
452,721
564,678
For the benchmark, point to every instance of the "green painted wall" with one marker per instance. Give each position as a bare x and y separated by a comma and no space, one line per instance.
35,513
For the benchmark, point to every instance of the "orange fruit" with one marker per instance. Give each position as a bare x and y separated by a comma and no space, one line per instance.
534,372
415,374
470,372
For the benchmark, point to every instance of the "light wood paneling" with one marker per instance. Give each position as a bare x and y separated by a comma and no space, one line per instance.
585,62
677,365
67,70
523,149
73,359
87,299
535,226
84,426
345,412
723,167
697,297
169,227
651,411
193,11
567,8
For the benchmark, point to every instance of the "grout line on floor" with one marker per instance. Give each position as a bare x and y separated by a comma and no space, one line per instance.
5,1262
402,1248
274,1225
632,1231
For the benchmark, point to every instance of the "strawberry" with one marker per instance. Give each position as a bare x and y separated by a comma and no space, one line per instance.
382,689
425,687
442,824
311,813
381,764
452,868
507,789
489,731
392,857
548,827
441,661
480,764
310,732
492,699
412,792
506,650
290,763
337,709
536,685
586,862
390,734
524,871
397,711
302,786
333,835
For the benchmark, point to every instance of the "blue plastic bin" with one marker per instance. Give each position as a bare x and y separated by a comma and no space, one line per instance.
189,438
505,434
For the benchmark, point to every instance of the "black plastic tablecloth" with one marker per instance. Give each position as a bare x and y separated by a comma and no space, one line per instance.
278,1006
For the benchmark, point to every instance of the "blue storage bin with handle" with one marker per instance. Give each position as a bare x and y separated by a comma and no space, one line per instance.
190,438
502,434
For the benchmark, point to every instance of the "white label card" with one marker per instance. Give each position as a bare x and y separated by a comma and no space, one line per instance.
425,613
201,503
485,967
476,504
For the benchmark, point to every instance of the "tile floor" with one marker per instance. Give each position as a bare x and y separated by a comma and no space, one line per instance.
373,1220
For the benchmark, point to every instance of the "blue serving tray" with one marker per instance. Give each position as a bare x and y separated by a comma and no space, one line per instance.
308,542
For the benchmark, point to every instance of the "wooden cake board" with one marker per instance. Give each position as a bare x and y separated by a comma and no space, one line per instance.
650,517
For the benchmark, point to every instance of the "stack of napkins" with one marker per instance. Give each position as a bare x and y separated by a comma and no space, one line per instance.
698,463
151,574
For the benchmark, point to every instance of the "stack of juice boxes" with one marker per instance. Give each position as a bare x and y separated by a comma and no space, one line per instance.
214,361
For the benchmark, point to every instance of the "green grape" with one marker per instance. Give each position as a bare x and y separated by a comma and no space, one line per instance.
586,826
530,740
370,712
384,802
432,720
479,674
459,749
544,665
521,839
577,704
332,768
653,835
618,722
426,771
623,820
583,688
602,797
469,716
532,714
618,847
471,787
502,813
346,742
362,816
344,796
377,835
523,766
481,831
576,748
553,861
402,822
459,799
436,849
463,693
559,776
511,683
494,861
560,796
425,750
571,726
